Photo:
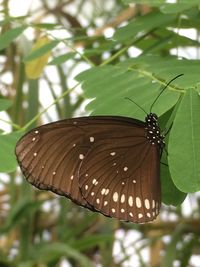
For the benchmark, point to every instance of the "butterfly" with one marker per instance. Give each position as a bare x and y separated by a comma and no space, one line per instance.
108,164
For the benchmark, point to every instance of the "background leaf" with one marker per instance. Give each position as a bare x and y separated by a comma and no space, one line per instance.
5,104
8,161
142,25
10,35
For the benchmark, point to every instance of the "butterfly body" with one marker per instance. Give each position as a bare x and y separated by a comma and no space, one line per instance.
109,164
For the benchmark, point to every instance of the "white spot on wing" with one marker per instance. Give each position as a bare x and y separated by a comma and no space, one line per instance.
122,198
122,210
140,215
94,181
105,203
72,177
91,139
36,131
113,153
130,201
138,202
131,214
54,173
147,203
98,201
134,181
148,214
81,156
86,187
107,191
35,154
113,210
125,169
115,197
33,139
92,194
103,191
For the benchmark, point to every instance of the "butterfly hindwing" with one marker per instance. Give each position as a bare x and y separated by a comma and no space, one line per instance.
119,176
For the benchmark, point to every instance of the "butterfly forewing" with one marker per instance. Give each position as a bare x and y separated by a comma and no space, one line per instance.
119,176
49,157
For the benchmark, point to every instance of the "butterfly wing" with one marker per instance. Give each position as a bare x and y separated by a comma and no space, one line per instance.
67,157
120,176
50,155
49,158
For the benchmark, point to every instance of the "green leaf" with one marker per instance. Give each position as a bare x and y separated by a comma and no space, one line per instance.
170,193
20,210
171,249
47,26
166,7
184,144
41,50
88,242
46,253
8,161
7,37
178,7
133,81
187,250
146,2
142,25
62,58
5,104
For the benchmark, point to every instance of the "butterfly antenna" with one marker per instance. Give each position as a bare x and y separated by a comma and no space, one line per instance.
136,105
164,90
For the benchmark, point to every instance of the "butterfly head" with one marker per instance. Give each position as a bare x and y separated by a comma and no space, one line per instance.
151,118
153,133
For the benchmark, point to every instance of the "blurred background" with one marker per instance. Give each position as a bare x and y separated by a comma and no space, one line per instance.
37,228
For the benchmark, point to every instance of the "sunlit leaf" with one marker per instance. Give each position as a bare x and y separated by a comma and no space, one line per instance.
38,58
